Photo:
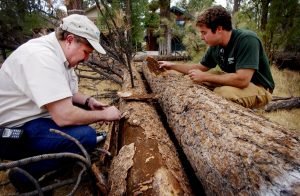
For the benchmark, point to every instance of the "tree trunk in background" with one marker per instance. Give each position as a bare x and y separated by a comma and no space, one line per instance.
74,6
236,6
128,53
264,14
232,150
165,41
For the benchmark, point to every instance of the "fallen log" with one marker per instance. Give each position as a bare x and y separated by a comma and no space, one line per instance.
163,58
151,160
293,102
233,150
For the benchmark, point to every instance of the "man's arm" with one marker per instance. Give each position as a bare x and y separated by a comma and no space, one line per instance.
183,68
240,79
93,103
64,113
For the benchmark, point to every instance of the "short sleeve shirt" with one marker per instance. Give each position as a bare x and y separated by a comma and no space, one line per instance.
244,51
34,75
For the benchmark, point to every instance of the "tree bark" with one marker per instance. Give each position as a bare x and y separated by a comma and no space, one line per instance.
74,7
163,58
165,41
153,167
264,14
232,150
236,6
290,103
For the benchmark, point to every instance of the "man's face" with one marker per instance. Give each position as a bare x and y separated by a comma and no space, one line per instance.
76,51
210,38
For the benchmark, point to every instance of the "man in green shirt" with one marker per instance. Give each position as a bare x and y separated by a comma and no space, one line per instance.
247,79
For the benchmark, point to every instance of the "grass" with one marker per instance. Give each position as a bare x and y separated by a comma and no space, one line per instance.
287,84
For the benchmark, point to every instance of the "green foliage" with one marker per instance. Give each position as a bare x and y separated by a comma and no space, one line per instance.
283,26
195,6
17,19
31,21
189,34
282,31
139,17
139,13
192,42
244,20
152,20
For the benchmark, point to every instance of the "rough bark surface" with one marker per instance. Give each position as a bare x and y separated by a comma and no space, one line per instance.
232,150
163,58
293,102
156,168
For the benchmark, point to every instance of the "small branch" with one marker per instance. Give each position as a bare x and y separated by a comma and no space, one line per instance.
287,103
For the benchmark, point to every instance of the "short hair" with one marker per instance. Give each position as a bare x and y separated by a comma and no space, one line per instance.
213,17
62,35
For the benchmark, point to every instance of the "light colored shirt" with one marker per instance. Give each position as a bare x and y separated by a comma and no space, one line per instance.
34,75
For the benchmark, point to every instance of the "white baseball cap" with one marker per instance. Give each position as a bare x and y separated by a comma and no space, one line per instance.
82,26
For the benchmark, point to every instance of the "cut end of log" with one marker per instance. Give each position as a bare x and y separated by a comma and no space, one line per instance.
124,94
153,66
129,96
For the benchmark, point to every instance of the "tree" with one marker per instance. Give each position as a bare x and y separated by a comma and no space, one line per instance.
236,6
18,19
74,6
276,22
165,39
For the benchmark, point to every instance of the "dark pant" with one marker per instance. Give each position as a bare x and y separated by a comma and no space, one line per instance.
39,140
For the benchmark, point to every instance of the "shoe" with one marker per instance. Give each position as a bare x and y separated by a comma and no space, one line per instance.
101,136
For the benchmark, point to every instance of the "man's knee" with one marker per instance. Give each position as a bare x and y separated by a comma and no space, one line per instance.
251,97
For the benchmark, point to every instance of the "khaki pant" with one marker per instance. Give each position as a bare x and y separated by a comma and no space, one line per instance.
252,96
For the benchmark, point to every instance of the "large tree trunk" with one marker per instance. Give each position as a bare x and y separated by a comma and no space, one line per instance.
264,14
74,7
236,6
165,41
232,150
148,163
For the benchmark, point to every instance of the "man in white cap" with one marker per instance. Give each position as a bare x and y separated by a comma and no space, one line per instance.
39,88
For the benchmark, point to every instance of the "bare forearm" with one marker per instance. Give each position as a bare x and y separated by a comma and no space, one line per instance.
64,113
183,68
180,67
228,79
78,116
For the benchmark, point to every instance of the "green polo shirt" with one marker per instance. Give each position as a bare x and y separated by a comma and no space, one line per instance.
244,51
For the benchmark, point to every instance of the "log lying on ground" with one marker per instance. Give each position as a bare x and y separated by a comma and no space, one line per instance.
232,150
163,58
293,102
153,166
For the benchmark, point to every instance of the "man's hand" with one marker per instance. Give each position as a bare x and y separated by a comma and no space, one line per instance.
165,64
112,113
96,105
197,76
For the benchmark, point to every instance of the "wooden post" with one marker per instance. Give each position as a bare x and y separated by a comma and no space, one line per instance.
232,150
